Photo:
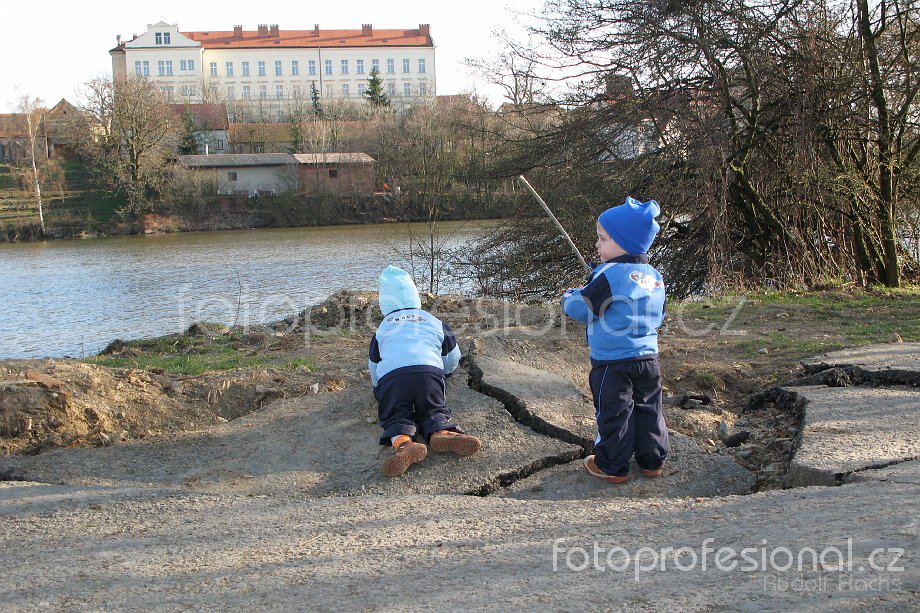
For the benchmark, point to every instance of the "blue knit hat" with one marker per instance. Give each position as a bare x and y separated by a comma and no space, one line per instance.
632,224
397,291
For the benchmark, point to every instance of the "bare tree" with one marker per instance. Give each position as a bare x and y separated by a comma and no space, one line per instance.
125,132
33,111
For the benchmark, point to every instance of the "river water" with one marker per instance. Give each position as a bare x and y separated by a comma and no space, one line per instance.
72,297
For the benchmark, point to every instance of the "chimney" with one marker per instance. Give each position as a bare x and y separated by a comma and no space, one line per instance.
424,29
274,30
263,30
367,29
117,39
316,29
237,31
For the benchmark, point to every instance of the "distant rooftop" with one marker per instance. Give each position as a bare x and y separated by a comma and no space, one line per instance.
223,160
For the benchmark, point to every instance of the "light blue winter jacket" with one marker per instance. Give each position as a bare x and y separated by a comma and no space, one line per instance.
409,339
623,306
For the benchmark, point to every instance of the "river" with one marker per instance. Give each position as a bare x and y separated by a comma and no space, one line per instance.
72,297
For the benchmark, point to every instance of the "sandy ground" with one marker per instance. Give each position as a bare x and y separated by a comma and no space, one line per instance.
281,506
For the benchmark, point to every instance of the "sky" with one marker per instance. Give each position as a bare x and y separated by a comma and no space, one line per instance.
49,48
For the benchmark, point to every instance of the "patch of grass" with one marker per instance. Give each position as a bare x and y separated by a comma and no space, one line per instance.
183,364
196,355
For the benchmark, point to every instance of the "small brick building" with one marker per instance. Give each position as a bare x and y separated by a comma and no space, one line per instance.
336,173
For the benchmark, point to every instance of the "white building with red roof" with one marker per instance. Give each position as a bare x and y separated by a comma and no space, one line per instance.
270,64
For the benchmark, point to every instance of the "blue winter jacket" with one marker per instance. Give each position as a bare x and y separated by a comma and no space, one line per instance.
623,306
409,339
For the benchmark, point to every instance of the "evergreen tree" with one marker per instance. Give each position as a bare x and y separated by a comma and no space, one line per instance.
295,119
314,97
188,137
375,94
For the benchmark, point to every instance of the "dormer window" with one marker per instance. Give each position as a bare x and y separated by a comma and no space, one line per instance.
165,38
159,38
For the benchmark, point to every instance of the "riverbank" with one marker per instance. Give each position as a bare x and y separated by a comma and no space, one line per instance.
715,354
265,490
81,211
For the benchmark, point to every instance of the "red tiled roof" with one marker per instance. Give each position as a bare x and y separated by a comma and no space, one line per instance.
13,125
207,116
308,38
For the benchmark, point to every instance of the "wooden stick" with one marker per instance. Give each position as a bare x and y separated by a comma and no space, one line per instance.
555,221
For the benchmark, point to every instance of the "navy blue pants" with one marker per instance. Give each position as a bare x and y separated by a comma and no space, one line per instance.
412,402
627,404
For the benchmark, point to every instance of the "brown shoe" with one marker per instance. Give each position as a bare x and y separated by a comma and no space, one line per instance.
448,441
402,458
594,471
651,473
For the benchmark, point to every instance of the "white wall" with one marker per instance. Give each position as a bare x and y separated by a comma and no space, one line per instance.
250,179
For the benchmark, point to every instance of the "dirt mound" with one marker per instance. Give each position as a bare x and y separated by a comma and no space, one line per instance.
50,404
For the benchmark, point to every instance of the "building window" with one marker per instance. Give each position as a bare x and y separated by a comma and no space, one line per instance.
345,91
359,66
311,67
246,92
361,89
279,116
165,38
191,65
219,144
146,68
391,89
161,68
245,69
344,66
375,65
261,69
406,65
329,91
328,66
333,173
263,92
391,66
231,94
158,37
278,71
169,70
295,92
229,67
295,68
407,89
137,68
213,69
422,89
421,65
279,92
183,65
231,176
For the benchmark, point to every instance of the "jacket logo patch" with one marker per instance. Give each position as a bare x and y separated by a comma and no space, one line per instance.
408,318
645,281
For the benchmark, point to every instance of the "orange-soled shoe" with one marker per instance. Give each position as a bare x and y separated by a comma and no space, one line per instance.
402,457
594,471
448,441
651,473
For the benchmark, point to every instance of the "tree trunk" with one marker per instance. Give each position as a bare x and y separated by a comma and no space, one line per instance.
886,201
38,187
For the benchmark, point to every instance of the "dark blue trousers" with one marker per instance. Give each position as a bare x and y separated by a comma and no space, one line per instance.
410,402
627,404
